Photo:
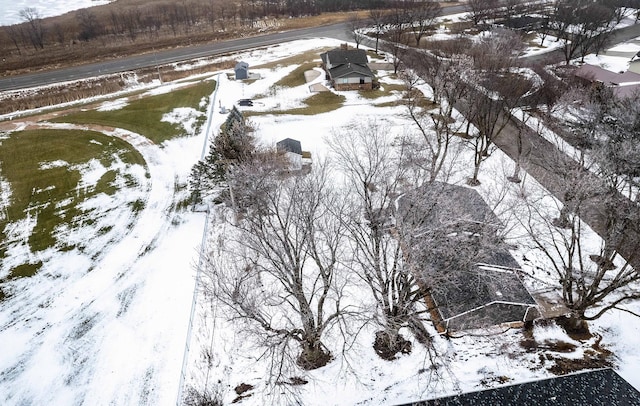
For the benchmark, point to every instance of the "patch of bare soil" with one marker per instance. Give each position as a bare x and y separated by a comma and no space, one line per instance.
241,390
550,352
386,349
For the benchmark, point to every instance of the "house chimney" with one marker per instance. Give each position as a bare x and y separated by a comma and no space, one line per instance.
344,46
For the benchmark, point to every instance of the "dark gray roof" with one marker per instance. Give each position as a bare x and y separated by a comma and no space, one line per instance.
438,204
289,145
450,236
341,56
464,290
596,387
242,65
350,69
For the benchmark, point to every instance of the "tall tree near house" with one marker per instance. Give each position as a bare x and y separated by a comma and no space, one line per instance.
542,100
278,270
582,26
596,26
436,124
606,131
374,174
496,95
617,149
233,145
35,28
593,279
397,40
378,18
354,25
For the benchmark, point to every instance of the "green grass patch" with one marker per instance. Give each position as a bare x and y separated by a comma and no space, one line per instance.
296,77
321,102
43,169
25,270
144,115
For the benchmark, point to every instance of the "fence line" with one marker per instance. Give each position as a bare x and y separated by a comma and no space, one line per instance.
185,357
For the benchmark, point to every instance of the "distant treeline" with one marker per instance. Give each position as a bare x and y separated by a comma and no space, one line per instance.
154,19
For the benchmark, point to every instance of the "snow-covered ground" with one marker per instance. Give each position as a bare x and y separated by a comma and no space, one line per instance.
114,332
45,8
226,358
108,325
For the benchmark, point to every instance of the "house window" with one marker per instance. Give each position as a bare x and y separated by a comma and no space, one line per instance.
362,81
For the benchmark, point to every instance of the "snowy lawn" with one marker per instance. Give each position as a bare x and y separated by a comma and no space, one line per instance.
224,358
105,322
111,328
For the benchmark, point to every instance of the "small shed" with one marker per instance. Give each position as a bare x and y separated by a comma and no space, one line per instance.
242,70
293,150
289,145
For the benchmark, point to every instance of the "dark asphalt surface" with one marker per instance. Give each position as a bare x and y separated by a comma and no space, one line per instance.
338,31
168,56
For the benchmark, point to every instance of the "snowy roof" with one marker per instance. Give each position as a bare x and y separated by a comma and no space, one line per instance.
623,84
596,73
241,65
596,387
346,62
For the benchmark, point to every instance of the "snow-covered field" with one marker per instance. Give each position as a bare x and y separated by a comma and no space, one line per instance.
226,358
46,8
114,332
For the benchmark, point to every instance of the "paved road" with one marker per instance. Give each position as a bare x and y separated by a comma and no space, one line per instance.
621,35
168,56
338,31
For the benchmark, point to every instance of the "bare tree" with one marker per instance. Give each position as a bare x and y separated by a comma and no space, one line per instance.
374,173
279,271
481,11
35,28
436,124
499,91
379,21
422,16
14,33
582,26
89,25
593,278
354,25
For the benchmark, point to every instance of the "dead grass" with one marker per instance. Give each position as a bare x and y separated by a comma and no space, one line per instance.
296,77
386,90
312,55
24,101
318,103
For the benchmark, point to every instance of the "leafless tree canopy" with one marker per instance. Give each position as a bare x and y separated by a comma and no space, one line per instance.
280,272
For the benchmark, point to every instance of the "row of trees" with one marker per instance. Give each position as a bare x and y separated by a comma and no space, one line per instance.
582,26
166,18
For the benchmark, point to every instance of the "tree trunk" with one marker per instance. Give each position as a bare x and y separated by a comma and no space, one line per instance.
313,355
